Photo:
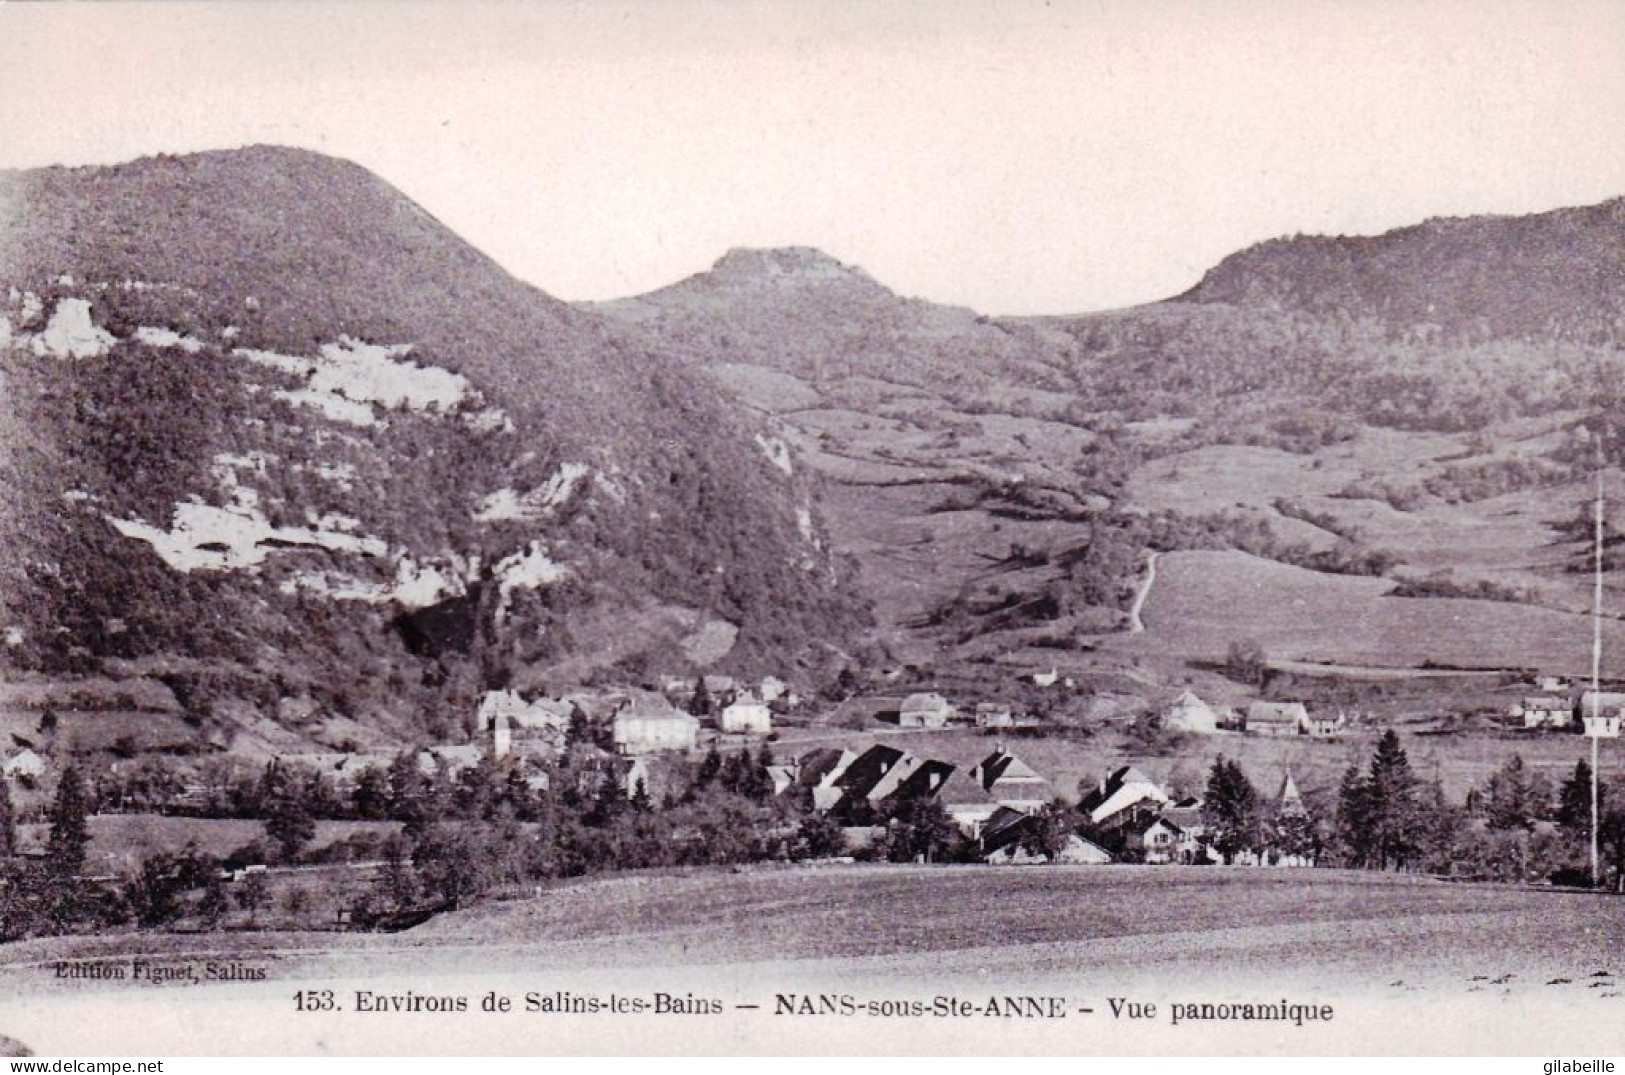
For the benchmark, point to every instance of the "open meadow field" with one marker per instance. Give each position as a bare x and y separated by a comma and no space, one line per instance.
1204,601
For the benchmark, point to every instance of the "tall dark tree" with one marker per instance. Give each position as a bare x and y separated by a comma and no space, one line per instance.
1515,797
8,821
1230,809
1574,802
70,829
1049,831
371,795
701,704
710,769
609,804
410,789
289,822
1397,823
818,836
1352,830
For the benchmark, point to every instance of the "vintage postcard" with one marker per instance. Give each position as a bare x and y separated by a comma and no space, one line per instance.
786,528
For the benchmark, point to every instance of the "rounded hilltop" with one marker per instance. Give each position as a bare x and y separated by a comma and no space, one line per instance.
793,263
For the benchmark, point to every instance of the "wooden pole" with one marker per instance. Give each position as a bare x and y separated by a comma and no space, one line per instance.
1596,674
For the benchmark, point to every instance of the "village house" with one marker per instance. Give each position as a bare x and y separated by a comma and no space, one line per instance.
24,765
452,758
721,688
1603,723
1154,840
1012,782
1123,794
927,709
1188,713
1544,711
1322,726
815,774
649,723
772,688
746,715
1002,836
1277,718
852,785
1046,679
992,715
967,803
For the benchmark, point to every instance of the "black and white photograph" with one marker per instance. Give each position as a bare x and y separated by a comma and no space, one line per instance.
783,528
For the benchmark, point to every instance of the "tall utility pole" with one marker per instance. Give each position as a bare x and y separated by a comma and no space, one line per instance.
1596,672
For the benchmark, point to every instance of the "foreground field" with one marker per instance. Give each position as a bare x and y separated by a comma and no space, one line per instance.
1392,953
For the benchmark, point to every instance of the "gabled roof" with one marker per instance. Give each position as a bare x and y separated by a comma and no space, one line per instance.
894,778
860,777
1589,700
1185,818
745,698
1003,820
1276,713
961,791
823,765
925,701
1545,701
1002,765
1122,789
652,705
1144,825
924,780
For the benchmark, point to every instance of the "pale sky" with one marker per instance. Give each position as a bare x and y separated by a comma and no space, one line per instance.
1015,157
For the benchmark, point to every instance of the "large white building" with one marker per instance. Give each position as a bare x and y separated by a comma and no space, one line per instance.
649,724
747,715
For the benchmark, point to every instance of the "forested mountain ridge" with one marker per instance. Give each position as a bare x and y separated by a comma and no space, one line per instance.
269,424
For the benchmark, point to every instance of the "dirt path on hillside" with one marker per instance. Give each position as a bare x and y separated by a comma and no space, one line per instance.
1136,625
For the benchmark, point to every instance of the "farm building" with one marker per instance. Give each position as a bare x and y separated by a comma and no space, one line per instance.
1011,782
1607,701
924,710
1188,713
1277,718
748,715
994,715
773,688
1545,711
649,723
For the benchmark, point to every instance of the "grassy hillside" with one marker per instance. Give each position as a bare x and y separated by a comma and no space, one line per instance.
1412,407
